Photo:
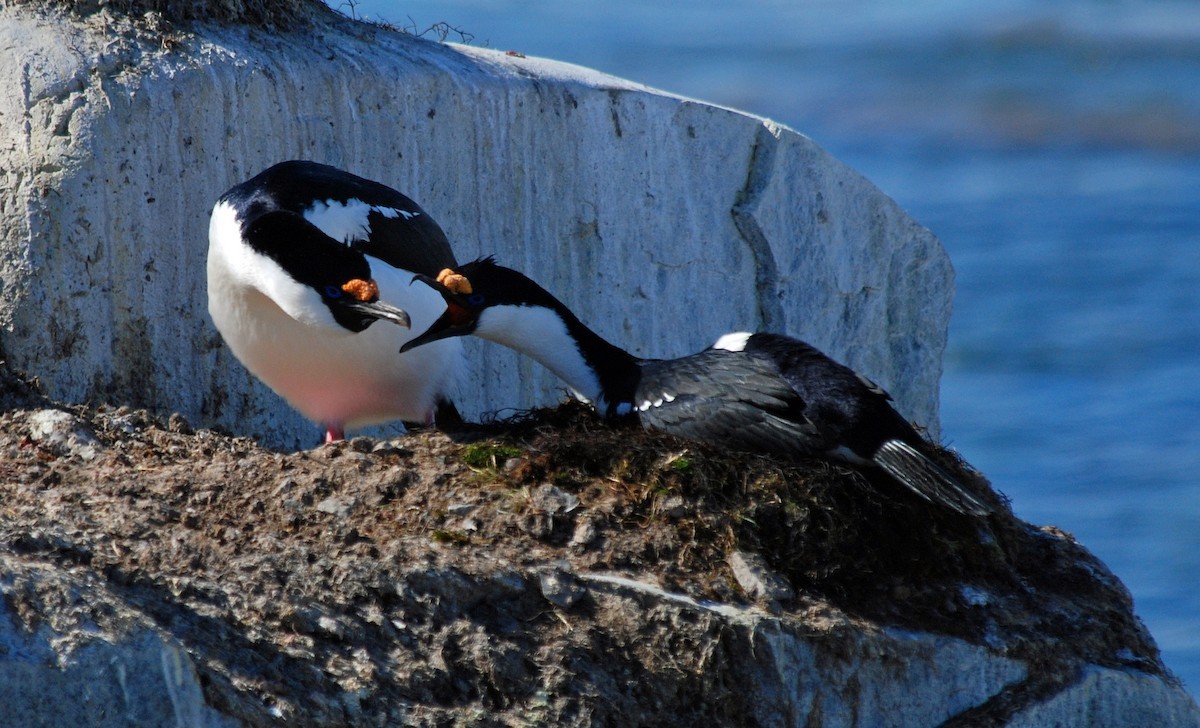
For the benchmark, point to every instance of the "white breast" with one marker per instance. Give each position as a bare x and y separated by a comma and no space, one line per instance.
282,332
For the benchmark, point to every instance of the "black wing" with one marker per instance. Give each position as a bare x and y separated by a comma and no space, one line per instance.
850,410
417,244
400,233
853,412
727,399
912,468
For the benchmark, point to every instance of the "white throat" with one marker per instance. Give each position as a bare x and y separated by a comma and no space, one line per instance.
235,270
540,334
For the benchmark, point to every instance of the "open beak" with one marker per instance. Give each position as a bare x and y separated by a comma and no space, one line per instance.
380,310
459,318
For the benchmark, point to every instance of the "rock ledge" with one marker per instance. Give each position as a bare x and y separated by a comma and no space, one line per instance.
552,571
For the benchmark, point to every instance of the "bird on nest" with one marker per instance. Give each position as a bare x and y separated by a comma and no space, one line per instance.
757,392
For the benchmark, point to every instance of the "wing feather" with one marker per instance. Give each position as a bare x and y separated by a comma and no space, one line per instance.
926,478
727,399
400,232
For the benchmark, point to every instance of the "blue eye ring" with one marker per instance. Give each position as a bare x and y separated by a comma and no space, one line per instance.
334,292
476,299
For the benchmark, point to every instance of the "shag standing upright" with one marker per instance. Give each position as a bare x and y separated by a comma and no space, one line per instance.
756,392
303,259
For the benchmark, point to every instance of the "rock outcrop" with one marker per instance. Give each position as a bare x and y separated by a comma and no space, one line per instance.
664,221
559,573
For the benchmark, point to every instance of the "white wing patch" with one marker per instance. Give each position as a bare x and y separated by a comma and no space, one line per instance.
647,404
733,342
349,221
393,212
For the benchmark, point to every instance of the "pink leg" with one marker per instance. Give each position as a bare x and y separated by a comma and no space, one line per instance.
334,431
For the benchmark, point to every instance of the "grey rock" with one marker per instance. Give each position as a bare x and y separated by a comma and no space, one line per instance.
331,627
335,506
560,588
482,643
584,534
672,507
1108,698
758,579
460,509
552,500
79,673
63,433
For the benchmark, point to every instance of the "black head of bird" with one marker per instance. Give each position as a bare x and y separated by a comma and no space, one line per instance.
314,271
474,289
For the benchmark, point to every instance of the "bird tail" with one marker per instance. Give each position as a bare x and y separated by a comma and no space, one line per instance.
926,478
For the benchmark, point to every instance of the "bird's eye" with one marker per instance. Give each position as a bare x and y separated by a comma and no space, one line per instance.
333,292
475,299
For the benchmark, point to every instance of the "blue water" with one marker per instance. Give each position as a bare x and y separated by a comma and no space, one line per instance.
1054,147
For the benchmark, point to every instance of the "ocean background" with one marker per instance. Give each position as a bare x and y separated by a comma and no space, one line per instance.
1054,148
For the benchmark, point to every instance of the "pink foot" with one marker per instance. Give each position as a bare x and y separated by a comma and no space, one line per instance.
334,431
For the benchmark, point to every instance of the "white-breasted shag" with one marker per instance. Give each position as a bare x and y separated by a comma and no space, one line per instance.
761,392
302,259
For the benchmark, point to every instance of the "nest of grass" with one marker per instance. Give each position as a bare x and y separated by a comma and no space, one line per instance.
830,530
838,534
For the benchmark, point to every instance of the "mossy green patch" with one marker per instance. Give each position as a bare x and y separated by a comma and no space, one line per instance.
449,537
489,454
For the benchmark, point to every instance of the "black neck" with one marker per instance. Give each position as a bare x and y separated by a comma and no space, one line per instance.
618,370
